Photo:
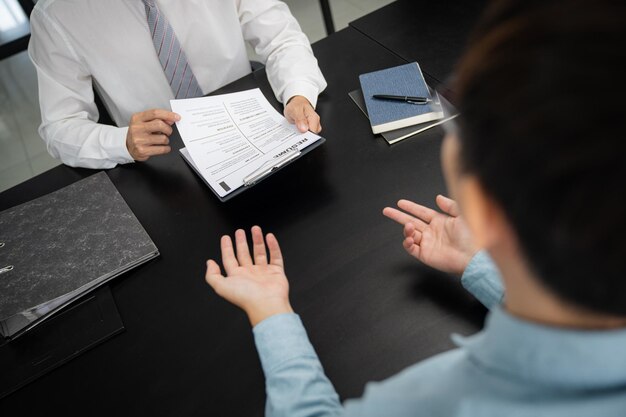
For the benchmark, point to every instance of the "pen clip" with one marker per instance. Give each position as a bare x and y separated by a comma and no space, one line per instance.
418,101
264,170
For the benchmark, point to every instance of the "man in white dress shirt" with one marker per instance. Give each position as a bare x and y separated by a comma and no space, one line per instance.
79,45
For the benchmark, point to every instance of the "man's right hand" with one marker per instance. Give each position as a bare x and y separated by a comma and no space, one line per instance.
148,133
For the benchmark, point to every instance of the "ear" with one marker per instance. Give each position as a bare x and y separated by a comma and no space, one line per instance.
483,215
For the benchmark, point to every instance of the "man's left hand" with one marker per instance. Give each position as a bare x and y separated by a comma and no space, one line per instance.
300,112
256,283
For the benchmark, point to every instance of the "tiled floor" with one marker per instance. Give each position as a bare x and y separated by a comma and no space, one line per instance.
22,152
309,14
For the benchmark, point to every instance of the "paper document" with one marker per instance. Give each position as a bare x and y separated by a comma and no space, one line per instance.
236,139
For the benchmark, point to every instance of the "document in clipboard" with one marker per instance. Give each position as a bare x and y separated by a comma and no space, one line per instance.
233,141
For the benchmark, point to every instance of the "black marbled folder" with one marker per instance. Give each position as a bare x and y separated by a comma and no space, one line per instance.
60,246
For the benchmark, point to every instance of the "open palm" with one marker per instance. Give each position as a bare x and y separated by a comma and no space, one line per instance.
440,240
256,284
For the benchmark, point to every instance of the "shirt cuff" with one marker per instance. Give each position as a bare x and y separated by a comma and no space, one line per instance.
279,339
114,144
301,88
482,279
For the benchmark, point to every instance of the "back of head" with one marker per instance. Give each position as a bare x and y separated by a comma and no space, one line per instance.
541,90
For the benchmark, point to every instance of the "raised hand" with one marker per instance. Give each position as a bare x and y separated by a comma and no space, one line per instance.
440,240
255,284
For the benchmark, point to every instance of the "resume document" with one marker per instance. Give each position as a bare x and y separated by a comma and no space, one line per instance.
233,140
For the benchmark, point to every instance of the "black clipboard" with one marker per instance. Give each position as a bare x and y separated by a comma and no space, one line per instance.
277,166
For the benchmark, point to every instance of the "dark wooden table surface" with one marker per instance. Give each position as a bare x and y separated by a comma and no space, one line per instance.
370,310
433,33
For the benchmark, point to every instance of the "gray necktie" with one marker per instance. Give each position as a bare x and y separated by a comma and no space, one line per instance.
171,55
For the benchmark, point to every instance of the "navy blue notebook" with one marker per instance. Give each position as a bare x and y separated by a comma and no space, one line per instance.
403,80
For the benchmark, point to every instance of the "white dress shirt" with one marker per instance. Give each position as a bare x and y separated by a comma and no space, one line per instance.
80,44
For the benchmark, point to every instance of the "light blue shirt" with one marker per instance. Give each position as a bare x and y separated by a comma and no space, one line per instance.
511,368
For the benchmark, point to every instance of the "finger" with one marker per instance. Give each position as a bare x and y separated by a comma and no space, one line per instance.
448,205
149,139
397,215
403,218
410,231
276,256
161,114
417,237
157,139
313,120
258,246
148,151
228,255
243,252
421,212
213,275
302,124
289,112
213,268
297,116
158,126
411,247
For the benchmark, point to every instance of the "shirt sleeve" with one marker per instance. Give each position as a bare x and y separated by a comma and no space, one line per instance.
68,110
297,386
295,381
482,279
275,35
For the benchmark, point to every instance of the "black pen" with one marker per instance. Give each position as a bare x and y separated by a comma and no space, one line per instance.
408,99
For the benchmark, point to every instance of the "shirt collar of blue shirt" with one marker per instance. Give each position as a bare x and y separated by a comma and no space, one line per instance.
549,356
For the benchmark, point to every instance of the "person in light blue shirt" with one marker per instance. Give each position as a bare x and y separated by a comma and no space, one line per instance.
536,230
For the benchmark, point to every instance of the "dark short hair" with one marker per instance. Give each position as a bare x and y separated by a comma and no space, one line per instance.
541,92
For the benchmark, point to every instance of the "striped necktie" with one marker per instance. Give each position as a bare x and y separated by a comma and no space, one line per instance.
172,57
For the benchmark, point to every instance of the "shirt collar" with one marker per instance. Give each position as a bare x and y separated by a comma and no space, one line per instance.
551,356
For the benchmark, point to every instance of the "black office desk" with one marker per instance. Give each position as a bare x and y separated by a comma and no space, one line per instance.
370,310
432,33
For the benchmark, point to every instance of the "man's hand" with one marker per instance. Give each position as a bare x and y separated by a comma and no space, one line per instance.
256,285
442,241
299,111
148,133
